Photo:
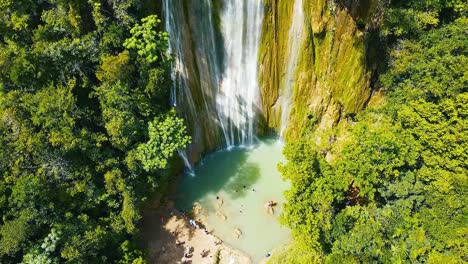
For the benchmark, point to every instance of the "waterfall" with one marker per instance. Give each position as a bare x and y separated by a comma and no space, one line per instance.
215,69
238,100
188,166
296,32
179,71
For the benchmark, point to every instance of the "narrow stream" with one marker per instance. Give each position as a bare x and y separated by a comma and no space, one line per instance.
232,187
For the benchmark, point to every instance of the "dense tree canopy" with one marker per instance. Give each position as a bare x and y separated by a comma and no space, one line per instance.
87,134
395,190
84,135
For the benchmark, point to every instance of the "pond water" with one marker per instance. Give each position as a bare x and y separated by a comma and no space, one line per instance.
232,187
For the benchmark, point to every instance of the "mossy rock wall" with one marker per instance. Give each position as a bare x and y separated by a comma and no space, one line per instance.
272,57
332,78
196,86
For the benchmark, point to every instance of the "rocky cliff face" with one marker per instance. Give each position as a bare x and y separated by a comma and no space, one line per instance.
333,74
193,26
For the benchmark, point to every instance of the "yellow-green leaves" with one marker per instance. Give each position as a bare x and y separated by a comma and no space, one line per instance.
115,68
19,22
396,192
73,112
149,43
167,134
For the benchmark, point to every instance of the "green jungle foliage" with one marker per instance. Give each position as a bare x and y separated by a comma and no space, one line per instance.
87,135
397,192
86,132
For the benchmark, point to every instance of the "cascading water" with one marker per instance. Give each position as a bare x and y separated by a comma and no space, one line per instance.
238,100
296,33
178,69
215,69
216,49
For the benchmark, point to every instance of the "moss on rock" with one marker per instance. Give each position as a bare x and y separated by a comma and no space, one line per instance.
332,77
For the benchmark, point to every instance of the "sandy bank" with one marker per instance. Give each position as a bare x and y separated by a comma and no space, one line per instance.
167,234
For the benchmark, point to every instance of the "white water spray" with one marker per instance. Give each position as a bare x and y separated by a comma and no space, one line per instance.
238,100
179,71
296,32
216,82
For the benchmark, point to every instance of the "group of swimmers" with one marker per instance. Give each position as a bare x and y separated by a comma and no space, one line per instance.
269,204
